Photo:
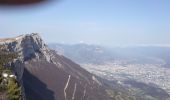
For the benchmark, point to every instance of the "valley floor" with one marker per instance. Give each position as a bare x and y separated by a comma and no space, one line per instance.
153,74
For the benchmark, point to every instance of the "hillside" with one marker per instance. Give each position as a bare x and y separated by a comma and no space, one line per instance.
45,75
145,69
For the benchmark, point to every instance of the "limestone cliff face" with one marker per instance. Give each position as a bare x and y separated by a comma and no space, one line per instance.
45,75
27,46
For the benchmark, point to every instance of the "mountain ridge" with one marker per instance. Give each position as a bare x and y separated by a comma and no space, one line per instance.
142,68
45,75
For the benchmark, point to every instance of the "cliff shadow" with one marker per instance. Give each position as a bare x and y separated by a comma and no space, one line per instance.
35,89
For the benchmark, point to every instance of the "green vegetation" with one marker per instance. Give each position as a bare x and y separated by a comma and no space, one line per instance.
119,96
13,90
8,85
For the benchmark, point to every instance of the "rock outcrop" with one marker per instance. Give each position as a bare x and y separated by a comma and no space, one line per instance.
45,75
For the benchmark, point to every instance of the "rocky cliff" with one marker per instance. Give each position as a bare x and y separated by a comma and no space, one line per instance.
45,75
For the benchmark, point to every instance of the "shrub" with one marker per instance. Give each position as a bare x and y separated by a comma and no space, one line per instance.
13,90
11,87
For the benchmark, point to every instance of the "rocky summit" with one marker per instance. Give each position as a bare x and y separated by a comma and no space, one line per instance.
44,75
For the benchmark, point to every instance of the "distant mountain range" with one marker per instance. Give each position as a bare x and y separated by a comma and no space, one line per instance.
84,53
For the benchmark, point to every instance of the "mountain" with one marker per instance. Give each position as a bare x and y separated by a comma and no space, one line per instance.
84,53
145,69
95,54
46,75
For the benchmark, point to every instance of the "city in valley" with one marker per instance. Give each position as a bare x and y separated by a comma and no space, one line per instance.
153,74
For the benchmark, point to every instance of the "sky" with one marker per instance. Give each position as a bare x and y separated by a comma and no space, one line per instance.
104,22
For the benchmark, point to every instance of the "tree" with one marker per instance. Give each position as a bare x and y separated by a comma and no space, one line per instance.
13,90
11,86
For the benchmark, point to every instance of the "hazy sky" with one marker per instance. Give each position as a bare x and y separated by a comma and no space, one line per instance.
106,22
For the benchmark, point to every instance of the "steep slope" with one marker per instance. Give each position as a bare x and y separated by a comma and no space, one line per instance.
142,68
48,76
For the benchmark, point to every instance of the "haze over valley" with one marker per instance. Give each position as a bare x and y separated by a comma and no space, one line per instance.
85,50
135,67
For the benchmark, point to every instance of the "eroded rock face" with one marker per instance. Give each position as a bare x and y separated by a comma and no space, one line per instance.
27,46
18,68
45,75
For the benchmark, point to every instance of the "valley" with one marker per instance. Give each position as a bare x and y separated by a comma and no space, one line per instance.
85,50
143,70
146,73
